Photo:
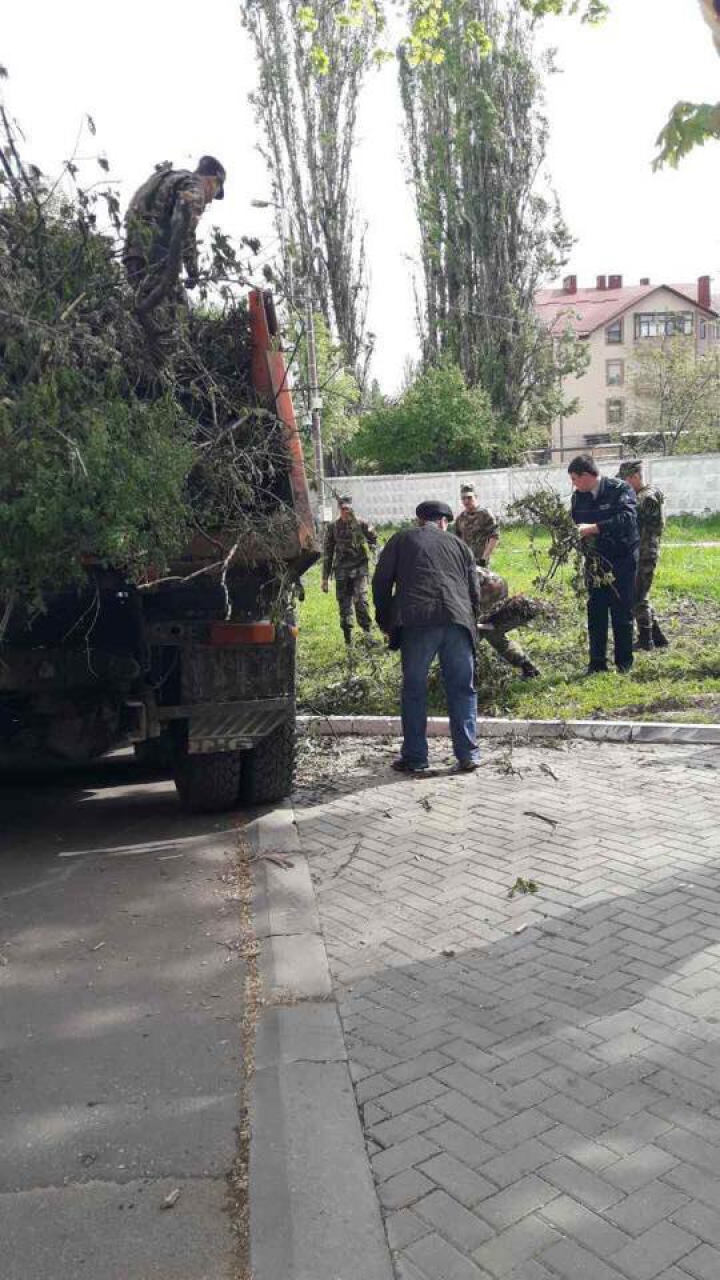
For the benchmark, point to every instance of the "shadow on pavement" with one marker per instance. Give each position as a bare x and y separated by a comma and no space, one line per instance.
113,804
121,988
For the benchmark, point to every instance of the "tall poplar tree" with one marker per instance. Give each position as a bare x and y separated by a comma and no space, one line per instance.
312,61
476,142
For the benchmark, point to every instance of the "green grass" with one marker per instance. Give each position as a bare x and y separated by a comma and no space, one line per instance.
681,683
693,528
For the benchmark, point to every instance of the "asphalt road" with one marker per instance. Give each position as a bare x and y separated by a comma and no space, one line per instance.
120,1021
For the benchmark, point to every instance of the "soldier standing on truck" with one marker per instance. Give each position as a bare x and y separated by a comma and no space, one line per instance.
651,522
160,235
347,552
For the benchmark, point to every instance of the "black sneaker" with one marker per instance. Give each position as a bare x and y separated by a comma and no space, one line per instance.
409,766
594,670
466,766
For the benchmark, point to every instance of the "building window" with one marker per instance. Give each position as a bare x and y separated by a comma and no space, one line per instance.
614,373
614,332
663,324
615,412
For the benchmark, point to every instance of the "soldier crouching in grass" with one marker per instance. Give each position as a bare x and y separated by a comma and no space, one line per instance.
347,553
651,523
493,590
605,512
479,529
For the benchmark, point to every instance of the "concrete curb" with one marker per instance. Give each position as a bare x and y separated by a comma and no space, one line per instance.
520,730
314,1213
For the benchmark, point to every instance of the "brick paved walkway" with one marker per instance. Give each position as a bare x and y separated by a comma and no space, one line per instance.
537,1077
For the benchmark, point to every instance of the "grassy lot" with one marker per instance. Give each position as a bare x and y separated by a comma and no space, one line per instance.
694,529
680,683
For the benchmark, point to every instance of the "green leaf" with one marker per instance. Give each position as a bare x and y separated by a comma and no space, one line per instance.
319,60
689,125
307,19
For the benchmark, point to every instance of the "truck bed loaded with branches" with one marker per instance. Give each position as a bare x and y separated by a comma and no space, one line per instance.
154,518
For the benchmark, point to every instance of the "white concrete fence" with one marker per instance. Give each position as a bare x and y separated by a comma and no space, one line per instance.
690,482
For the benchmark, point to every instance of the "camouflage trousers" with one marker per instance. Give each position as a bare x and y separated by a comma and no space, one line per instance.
162,324
504,647
643,611
353,592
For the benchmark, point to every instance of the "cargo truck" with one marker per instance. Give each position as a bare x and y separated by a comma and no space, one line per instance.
195,668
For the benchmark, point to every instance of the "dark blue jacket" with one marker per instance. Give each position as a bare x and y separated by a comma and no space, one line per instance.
615,512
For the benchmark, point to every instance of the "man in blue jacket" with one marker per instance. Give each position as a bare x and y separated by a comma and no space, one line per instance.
605,512
427,601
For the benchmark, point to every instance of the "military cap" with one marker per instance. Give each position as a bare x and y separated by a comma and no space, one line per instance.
345,500
433,510
633,467
466,488
209,167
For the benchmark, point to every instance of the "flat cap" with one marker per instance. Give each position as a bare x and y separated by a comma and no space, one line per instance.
345,500
433,510
633,467
210,167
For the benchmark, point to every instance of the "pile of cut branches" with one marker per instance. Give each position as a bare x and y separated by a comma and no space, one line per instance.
545,511
107,454
517,611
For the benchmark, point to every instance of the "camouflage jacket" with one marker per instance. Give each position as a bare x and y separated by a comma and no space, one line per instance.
651,521
476,528
149,219
493,590
346,550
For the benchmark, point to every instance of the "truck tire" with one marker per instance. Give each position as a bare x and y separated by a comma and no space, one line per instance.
268,770
208,783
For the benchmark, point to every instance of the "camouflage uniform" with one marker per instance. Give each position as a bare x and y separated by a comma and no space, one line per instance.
160,228
346,552
170,195
493,589
651,523
477,528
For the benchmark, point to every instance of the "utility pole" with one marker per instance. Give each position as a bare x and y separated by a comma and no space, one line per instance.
315,403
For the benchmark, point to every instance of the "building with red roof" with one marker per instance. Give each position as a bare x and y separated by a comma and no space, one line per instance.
617,321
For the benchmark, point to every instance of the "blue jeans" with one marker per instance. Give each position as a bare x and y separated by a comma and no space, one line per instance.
454,648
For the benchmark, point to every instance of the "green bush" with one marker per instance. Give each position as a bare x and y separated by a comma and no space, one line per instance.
438,424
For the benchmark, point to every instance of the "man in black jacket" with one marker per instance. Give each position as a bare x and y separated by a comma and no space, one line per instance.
426,600
605,512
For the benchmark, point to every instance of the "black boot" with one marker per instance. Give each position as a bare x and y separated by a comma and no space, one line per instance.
528,669
660,640
369,639
645,638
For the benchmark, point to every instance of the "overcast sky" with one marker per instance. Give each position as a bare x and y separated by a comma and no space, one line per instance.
169,79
